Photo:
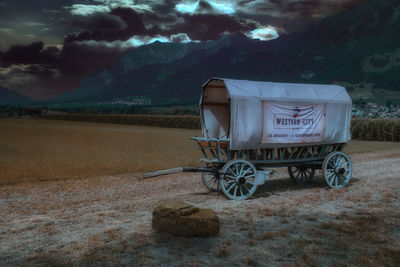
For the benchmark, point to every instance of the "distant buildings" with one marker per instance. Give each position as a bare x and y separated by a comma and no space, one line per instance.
36,112
130,101
33,112
372,110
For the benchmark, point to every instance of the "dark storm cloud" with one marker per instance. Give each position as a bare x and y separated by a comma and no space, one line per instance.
100,21
79,58
310,8
32,54
132,21
43,72
162,21
292,15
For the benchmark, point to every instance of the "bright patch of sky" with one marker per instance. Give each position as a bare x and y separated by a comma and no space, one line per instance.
84,10
180,37
106,6
192,7
264,33
136,41
187,7
224,8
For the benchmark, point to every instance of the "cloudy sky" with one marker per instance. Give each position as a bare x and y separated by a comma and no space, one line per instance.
48,46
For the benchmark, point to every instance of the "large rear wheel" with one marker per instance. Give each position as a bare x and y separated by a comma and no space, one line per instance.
336,169
239,179
301,174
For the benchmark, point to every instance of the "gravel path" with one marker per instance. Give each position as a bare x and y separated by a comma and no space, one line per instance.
107,220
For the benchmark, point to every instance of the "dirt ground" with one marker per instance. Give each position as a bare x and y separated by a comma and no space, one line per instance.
107,221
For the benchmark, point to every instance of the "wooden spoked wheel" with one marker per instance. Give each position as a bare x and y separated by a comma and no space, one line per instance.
211,181
336,169
239,179
301,174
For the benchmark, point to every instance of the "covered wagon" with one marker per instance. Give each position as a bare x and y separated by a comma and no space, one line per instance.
250,127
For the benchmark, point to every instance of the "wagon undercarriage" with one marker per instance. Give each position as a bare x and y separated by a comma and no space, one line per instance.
237,173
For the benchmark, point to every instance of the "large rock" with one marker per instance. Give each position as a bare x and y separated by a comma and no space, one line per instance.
179,218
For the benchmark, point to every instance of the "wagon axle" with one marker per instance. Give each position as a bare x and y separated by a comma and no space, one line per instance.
240,180
339,170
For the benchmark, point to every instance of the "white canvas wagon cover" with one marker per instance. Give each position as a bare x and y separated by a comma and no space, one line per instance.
265,114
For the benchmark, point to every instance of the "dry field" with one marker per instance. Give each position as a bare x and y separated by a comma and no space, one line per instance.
106,219
38,150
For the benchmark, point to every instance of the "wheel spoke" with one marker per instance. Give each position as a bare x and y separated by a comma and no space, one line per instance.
230,187
232,172
336,160
344,164
235,191
230,176
240,190
340,179
245,186
250,176
213,184
241,169
209,179
333,177
340,161
329,175
332,166
245,173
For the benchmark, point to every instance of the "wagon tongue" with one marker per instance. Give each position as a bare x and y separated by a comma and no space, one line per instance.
175,170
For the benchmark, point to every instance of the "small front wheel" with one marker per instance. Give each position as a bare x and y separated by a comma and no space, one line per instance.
211,181
239,179
336,169
301,174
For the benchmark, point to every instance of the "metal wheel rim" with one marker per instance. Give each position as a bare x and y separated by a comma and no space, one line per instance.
301,175
211,181
332,168
239,179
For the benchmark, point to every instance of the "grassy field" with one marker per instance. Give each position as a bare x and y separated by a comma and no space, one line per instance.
38,150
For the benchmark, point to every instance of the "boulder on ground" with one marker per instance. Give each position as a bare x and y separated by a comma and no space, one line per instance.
179,218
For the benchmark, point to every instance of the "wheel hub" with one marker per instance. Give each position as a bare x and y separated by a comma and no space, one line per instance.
240,180
339,170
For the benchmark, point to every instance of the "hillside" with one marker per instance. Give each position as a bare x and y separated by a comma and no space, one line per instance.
359,49
8,97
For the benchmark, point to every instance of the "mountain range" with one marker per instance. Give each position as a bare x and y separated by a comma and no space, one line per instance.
8,97
359,48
